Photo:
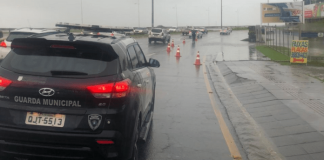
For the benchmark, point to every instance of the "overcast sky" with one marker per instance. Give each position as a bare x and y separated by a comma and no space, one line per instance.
45,13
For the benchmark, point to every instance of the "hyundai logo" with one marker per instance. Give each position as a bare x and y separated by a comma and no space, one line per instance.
47,92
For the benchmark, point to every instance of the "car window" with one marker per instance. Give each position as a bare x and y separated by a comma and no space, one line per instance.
157,30
46,61
133,57
140,55
14,35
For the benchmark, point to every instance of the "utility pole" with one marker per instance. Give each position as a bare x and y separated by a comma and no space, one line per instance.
221,14
138,15
208,17
177,15
81,13
237,11
152,13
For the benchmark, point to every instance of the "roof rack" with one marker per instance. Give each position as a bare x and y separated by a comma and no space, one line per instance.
95,28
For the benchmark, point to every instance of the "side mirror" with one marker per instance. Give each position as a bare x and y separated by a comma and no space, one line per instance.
154,63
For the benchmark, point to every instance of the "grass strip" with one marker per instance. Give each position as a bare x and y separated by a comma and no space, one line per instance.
284,59
272,54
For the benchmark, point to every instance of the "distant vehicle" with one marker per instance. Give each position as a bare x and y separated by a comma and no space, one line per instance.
187,30
141,30
5,46
159,34
129,32
203,30
224,31
174,29
199,34
230,30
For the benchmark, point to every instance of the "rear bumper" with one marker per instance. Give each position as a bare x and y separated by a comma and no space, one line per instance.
50,145
156,38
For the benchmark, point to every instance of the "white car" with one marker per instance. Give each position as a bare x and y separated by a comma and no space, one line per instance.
174,30
224,32
140,30
5,46
159,34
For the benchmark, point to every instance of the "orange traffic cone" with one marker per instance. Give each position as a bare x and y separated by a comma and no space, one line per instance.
197,63
168,48
184,41
172,44
178,52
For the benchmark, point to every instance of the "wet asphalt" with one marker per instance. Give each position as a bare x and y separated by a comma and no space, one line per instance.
184,125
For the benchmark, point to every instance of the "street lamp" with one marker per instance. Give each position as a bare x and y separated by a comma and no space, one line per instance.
176,14
81,13
237,11
138,13
208,16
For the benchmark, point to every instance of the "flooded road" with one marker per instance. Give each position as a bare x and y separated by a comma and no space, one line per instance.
273,111
185,126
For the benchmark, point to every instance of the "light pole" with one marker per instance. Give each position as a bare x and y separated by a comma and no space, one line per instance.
138,12
237,11
221,14
81,13
176,14
208,17
138,15
152,13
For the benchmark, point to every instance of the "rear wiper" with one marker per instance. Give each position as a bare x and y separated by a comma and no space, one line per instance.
67,73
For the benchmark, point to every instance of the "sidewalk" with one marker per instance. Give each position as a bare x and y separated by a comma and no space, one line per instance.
286,104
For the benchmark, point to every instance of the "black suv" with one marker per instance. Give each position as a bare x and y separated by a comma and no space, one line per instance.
75,97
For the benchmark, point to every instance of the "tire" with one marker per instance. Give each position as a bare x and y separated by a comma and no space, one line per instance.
135,148
150,41
165,41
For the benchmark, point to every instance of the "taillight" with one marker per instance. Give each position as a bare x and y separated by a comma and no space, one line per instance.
105,142
112,34
4,83
189,31
3,44
110,90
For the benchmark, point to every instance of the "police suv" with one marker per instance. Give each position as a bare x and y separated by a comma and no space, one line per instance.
75,96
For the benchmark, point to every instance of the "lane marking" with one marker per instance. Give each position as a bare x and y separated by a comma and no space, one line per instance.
149,55
235,153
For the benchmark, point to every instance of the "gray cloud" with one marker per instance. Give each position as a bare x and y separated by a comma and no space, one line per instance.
45,13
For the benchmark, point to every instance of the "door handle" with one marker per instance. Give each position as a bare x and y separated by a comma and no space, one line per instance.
139,85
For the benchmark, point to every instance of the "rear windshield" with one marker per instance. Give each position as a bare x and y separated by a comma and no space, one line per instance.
157,30
14,35
86,61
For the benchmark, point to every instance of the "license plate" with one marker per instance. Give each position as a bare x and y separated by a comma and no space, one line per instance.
42,119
